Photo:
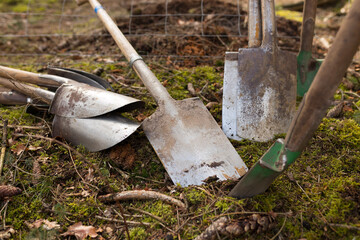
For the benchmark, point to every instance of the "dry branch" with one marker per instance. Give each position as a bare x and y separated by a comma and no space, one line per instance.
122,222
141,195
3,145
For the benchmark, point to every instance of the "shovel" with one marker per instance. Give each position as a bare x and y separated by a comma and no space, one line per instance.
310,113
307,66
74,99
261,95
95,134
9,97
79,76
44,80
231,71
185,136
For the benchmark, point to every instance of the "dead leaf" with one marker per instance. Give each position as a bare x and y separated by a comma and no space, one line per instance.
46,224
80,231
20,148
141,117
347,108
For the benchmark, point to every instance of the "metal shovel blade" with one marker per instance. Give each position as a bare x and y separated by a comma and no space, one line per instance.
95,134
80,76
190,143
187,139
87,101
266,96
259,87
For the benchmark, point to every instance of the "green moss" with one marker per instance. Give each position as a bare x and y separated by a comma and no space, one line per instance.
82,208
194,196
138,233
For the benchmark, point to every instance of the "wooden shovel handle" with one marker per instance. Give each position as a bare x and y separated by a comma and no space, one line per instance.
156,89
34,92
317,100
24,76
308,25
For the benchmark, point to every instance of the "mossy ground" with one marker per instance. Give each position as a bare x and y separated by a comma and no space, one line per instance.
319,193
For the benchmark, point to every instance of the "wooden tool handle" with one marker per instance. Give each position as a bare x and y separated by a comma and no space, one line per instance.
317,100
156,89
308,25
34,92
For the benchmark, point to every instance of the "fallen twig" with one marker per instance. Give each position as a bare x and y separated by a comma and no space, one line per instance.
141,195
149,214
25,127
122,222
288,214
344,226
282,227
3,145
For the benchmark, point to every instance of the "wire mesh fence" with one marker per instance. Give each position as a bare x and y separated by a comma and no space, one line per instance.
38,31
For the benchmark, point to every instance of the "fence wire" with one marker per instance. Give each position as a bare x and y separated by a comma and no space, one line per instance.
44,29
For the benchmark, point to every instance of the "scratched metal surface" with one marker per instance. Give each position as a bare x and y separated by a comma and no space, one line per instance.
95,134
190,143
83,101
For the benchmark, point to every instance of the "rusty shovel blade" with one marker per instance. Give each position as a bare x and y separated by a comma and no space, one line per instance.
259,87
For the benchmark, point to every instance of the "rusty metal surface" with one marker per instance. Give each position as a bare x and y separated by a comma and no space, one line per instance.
95,134
83,101
259,97
190,143
266,97
254,23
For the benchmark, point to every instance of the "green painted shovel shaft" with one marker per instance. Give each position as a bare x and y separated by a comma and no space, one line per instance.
307,67
265,171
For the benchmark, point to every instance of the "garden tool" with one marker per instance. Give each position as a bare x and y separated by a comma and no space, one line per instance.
74,99
44,80
79,76
307,66
95,134
10,97
185,136
310,113
259,86
231,72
